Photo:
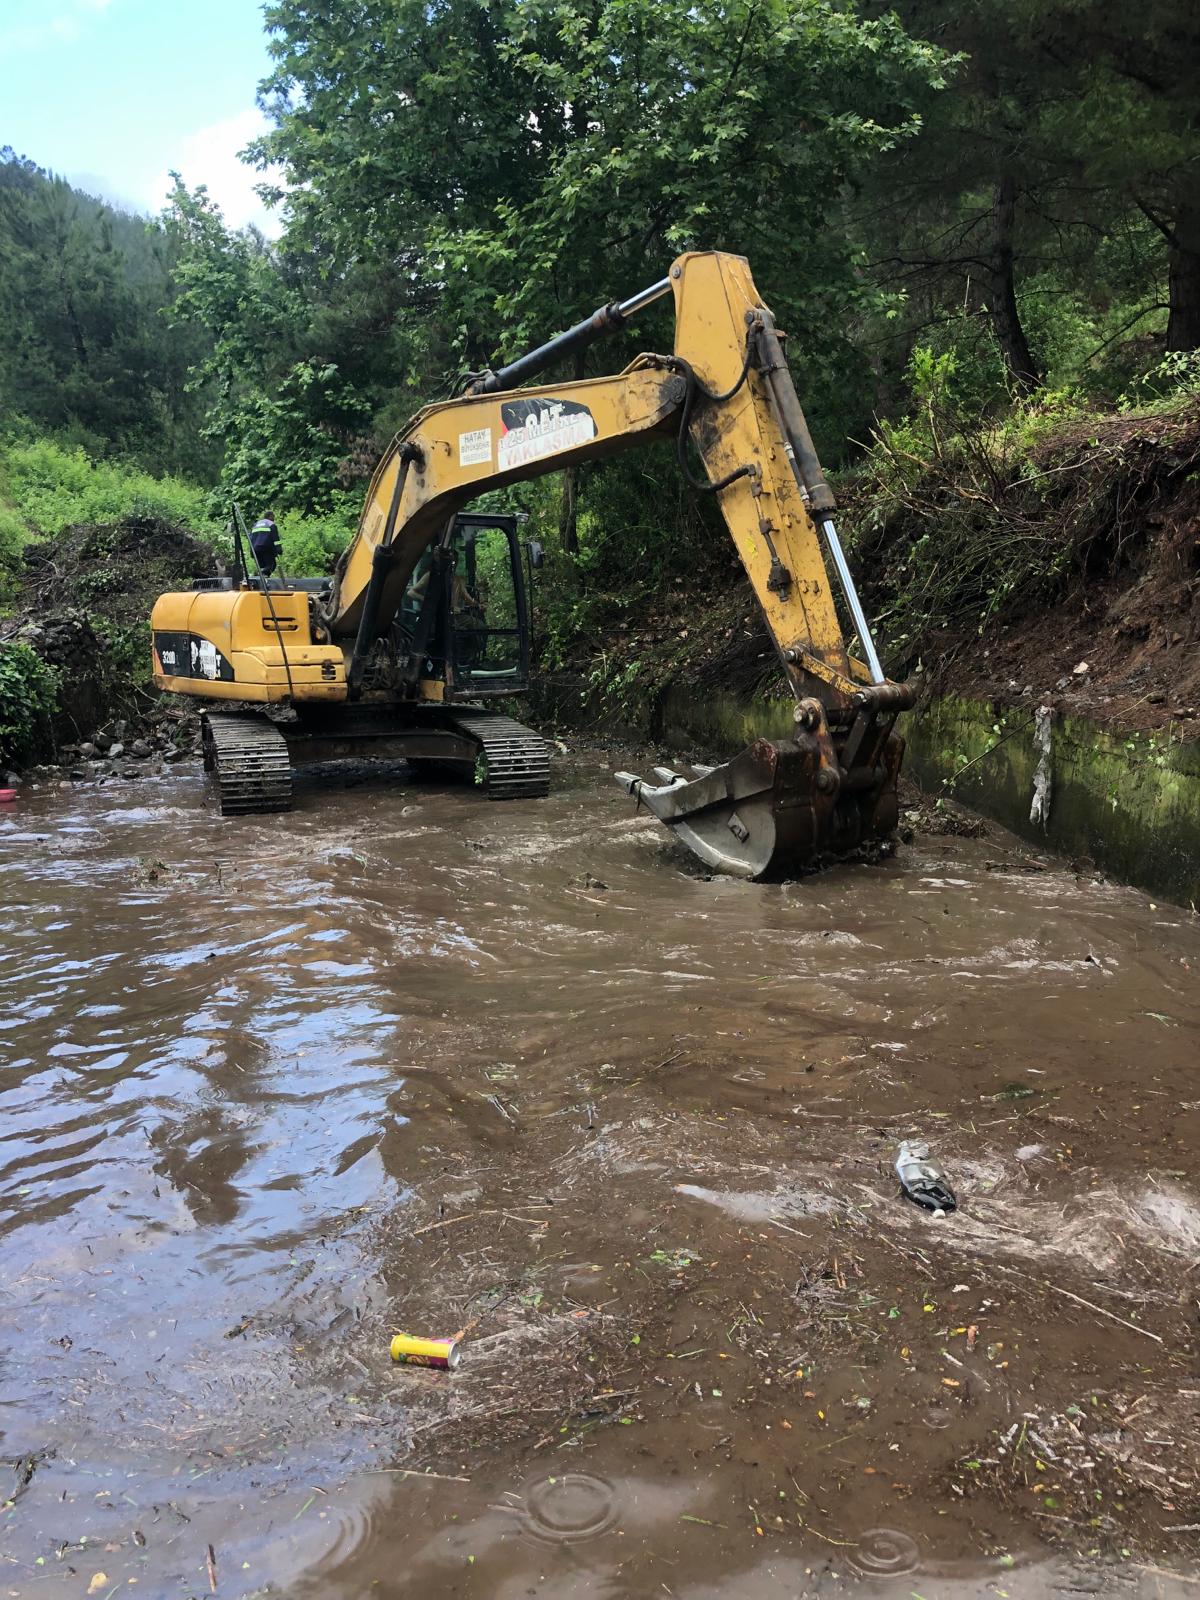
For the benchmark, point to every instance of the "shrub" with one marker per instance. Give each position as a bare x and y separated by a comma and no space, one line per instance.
52,488
28,699
14,532
312,543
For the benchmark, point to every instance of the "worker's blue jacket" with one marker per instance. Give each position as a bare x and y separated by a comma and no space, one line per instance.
264,541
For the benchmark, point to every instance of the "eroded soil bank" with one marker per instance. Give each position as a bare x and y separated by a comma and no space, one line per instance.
407,1060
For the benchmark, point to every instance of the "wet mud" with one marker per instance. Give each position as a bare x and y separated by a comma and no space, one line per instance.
406,1061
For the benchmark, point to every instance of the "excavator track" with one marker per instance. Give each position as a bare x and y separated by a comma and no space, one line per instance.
517,759
247,758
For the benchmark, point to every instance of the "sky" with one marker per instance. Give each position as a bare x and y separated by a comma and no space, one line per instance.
114,94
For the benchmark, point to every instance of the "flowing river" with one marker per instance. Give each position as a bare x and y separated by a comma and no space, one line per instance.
272,1090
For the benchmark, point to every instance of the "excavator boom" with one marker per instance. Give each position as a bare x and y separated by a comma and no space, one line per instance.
726,386
725,391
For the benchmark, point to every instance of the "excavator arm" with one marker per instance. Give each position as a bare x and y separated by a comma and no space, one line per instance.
357,658
727,388
451,453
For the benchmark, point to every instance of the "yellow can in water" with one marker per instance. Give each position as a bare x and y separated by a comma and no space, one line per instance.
443,1353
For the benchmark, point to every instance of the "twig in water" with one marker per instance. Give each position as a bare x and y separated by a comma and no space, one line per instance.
447,1222
406,1472
1079,1300
786,1229
825,1536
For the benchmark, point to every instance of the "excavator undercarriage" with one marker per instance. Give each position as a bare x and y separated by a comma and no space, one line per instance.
251,757
425,623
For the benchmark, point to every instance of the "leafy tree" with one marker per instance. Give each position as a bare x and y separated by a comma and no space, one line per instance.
283,417
498,151
1070,130
1135,122
507,163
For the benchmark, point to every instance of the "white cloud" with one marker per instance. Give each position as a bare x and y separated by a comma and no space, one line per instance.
97,185
64,28
210,157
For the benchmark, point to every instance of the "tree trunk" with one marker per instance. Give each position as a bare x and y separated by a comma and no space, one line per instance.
1183,323
81,353
1006,316
568,514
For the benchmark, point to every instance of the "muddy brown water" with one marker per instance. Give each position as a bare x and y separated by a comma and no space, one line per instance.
273,1090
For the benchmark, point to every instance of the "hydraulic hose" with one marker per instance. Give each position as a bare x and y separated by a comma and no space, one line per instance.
608,319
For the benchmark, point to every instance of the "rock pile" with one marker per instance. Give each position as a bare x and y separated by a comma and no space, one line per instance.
122,749
84,608
67,641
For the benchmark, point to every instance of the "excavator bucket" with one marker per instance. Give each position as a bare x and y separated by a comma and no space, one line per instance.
773,810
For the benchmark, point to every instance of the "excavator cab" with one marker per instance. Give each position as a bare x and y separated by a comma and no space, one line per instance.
466,610
489,608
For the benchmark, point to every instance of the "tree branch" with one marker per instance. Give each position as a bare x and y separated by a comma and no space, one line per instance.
1167,232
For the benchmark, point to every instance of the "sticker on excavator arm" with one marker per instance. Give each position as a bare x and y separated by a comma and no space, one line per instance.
475,448
537,428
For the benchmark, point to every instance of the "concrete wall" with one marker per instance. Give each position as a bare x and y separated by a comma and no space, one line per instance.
1129,803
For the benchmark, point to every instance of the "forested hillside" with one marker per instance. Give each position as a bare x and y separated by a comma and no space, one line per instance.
978,224
86,352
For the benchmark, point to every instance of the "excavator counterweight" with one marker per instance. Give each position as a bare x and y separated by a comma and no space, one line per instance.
426,615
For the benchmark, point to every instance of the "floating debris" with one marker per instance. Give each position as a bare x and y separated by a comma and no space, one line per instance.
921,1179
444,1353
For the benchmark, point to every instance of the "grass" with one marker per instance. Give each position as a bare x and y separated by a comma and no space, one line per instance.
49,489
45,489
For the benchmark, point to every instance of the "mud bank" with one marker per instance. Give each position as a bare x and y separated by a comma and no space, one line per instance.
83,608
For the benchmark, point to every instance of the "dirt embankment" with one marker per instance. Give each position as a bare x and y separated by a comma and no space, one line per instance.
1108,624
83,606
1092,544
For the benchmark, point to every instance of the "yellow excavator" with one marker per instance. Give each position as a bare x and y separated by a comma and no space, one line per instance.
426,619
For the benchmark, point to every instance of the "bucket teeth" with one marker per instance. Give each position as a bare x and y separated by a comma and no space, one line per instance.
641,788
667,777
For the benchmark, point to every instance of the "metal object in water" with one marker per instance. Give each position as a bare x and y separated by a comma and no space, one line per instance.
443,1353
781,804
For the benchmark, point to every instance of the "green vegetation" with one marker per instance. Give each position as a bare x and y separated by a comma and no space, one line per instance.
52,488
28,700
86,354
958,516
45,488
979,225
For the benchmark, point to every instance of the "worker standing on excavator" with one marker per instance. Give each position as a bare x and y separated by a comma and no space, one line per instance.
264,541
